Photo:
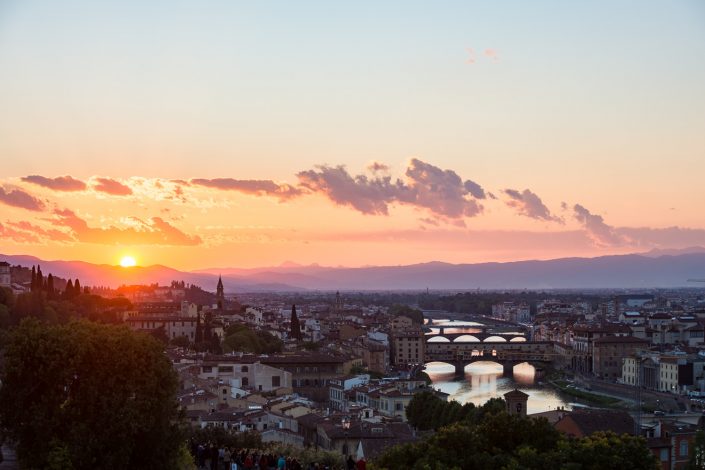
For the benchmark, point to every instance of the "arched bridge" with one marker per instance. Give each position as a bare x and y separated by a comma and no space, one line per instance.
480,337
507,353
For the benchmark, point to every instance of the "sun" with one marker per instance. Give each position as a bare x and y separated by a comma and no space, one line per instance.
128,262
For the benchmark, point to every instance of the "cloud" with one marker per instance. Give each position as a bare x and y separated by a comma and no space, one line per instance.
50,234
19,236
367,195
60,183
112,187
154,232
21,199
375,167
529,204
253,187
442,192
599,232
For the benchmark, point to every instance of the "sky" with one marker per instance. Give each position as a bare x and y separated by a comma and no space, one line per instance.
202,134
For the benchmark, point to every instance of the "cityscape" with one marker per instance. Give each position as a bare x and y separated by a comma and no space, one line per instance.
351,236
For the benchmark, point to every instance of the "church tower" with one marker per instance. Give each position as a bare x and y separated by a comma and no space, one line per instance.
220,294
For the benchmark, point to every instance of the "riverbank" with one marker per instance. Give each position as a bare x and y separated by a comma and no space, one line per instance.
605,401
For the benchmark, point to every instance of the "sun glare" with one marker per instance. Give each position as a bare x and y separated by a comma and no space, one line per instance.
128,262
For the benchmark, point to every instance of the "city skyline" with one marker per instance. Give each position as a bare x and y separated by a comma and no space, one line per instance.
198,136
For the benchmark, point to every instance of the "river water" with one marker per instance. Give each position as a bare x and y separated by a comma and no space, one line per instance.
485,380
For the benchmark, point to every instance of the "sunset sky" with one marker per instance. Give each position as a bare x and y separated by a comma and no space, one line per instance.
203,133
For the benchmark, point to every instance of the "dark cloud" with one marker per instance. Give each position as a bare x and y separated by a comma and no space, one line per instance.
596,228
155,232
253,187
112,187
367,195
375,167
21,199
529,204
60,183
442,192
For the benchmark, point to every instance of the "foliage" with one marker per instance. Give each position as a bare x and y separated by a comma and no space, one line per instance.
697,456
511,442
97,396
241,338
486,437
426,411
181,341
416,315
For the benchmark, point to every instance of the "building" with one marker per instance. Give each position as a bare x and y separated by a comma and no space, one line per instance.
609,353
5,277
408,346
516,402
581,423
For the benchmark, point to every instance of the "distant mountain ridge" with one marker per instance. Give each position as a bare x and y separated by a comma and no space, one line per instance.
636,270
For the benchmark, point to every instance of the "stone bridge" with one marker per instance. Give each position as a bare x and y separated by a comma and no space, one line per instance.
507,353
443,337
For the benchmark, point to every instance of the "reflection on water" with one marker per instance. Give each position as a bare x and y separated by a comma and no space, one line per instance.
485,380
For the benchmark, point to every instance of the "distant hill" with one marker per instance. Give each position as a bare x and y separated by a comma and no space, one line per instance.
637,270
114,276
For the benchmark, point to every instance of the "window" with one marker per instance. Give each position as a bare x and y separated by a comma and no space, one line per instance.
684,448
245,369
225,369
664,455
245,381
276,381
207,369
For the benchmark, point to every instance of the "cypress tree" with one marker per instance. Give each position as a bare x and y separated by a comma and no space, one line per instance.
295,326
33,285
39,279
50,286
199,329
76,288
68,292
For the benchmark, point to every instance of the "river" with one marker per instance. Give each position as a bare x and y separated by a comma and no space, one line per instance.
485,380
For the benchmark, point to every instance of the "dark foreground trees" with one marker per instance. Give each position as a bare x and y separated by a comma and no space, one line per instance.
83,395
486,438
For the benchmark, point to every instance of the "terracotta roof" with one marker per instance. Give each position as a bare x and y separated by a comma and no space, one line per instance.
591,421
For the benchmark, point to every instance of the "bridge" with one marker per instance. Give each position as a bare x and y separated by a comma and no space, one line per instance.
507,353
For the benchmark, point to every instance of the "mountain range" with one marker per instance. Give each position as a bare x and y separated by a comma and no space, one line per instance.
669,268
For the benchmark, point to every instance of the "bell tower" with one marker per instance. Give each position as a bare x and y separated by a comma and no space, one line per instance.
220,294
516,402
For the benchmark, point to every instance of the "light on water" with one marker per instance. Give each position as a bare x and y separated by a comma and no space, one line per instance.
484,380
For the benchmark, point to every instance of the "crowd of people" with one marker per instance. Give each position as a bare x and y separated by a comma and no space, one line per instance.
212,457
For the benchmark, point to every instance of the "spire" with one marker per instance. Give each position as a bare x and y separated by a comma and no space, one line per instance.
220,293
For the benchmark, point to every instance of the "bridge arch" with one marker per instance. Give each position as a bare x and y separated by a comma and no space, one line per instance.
438,339
466,339
495,338
518,339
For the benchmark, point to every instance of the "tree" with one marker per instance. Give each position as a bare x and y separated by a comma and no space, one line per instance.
76,288
181,341
33,285
295,326
697,456
50,286
69,411
68,292
414,314
39,280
